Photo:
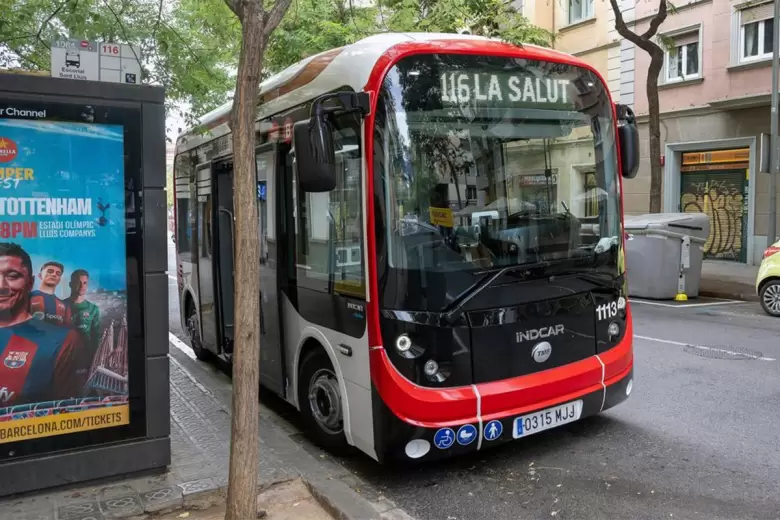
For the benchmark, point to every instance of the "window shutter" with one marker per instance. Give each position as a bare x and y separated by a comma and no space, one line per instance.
757,13
687,38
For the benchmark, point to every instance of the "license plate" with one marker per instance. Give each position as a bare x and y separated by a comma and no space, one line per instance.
536,422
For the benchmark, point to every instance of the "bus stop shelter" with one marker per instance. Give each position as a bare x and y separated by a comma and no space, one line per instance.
84,381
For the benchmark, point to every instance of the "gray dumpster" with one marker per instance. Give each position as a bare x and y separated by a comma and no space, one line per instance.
664,254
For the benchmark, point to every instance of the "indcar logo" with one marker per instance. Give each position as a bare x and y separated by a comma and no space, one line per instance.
8,150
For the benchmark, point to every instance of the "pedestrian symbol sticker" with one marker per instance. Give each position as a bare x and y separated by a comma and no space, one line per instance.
493,430
444,438
466,434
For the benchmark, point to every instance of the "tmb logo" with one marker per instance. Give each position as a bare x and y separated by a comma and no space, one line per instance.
8,150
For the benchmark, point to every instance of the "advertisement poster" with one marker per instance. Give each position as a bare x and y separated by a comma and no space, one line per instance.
63,306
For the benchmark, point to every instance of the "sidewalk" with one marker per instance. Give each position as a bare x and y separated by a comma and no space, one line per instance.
729,280
197,477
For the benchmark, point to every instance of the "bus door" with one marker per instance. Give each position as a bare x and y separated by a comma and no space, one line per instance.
203,253
271,337
223,268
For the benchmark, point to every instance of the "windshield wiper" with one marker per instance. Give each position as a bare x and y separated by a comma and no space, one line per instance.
599,278
453,311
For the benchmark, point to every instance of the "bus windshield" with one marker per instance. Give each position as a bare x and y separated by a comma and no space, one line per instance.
491,162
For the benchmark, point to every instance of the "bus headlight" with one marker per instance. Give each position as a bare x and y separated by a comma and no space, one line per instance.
438,373
407,348
403,343
613,330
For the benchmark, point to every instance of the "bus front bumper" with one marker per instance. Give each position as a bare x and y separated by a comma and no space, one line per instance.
416,443
424,424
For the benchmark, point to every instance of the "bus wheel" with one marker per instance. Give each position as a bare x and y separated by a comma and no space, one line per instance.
320,401
193,330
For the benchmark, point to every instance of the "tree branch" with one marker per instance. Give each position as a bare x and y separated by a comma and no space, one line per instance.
657,20
189,49
124,32
49,19
274,17
159,19
236,7
623,30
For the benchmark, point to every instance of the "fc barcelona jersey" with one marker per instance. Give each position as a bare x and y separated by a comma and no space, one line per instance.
39,362
49,308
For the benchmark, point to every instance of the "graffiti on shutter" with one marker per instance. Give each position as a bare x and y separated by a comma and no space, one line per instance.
721,195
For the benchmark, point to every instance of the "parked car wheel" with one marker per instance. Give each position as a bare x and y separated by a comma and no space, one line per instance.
770,297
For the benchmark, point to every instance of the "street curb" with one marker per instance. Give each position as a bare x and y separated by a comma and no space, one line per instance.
729,290
340,500
731,295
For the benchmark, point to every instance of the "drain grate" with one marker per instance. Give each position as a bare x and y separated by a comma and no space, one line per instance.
727,352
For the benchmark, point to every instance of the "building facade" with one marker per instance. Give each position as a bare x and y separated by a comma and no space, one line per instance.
715,105
583,28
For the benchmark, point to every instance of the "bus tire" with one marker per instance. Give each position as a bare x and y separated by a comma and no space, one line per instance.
320,402
193,331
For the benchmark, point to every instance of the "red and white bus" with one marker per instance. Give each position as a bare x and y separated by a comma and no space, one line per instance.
441,242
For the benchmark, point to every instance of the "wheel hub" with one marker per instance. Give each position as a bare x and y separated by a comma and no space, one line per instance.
325,401
772,298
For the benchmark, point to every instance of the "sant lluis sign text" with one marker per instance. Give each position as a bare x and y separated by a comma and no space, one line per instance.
94,61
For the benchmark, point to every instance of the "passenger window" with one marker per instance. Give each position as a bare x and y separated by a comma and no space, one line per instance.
183,179
329,226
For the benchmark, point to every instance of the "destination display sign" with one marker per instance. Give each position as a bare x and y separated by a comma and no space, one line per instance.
505,89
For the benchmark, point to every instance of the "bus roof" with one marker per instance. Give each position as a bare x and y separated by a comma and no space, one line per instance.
350,66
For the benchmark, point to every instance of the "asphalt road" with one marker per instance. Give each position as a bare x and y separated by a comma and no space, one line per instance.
697,439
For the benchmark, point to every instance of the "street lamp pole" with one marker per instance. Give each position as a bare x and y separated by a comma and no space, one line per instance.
774,145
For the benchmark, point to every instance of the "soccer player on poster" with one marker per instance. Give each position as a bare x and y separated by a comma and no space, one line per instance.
38,361
85,315
44,303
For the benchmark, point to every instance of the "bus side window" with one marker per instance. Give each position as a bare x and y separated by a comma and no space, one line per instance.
329,226
182,175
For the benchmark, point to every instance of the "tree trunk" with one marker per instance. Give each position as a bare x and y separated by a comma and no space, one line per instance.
244,449
654,130
644,42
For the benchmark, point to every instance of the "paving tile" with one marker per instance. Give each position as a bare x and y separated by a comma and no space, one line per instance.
143,484
38,514
121,507
198,486
161,499
25,504
120,490
89,510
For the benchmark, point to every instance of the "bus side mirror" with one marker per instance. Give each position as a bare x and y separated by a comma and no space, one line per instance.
315,156
629,142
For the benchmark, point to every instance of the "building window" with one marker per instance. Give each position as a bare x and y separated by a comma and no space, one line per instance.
580,10
756,32
683,60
